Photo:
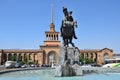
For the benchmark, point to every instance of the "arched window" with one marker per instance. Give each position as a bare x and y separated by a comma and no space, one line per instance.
4,58
9,56
19,57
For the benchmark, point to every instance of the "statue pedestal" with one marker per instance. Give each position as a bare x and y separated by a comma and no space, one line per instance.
66,67
72,54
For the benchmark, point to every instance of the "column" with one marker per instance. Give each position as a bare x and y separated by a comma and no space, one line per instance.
33,57
56,58
7,56
0,58
23,57
89,55
46,59
93,56
28,56
17,57
39,58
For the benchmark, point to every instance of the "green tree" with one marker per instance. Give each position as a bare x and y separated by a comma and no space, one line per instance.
26,60
82,59
86,60
13,57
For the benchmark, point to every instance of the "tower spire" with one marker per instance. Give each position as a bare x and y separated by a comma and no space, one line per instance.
52,27
52,15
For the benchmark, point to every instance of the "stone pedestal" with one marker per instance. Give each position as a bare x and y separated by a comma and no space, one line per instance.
72,53
66,67
77,69
65,70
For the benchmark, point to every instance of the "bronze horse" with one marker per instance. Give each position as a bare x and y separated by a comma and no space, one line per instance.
67,32
67,28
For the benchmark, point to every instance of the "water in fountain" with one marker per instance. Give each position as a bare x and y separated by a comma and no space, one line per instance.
48,74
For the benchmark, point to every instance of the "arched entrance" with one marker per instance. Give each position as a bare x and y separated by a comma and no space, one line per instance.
105,56
51,58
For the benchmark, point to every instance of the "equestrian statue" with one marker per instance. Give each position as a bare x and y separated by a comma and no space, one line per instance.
67,28
68,56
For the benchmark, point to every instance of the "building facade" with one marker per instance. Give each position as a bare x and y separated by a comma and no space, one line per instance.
98,55
47,54
49,51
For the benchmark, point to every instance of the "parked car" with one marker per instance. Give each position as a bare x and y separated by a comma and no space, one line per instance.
10,64
24,66
17,65
32,65
44,65
38,65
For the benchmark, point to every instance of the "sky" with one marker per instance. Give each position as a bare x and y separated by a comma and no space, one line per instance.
23,23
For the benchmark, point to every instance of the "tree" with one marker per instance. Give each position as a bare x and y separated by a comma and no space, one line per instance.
13,57
86,60
25,59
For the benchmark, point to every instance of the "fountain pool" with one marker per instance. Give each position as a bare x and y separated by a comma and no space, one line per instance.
48,74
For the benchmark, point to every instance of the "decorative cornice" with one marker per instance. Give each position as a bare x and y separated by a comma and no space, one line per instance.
94,50
21,50
51,41
89,51
50,46
51,32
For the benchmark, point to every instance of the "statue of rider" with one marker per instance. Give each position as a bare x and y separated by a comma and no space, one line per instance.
68,17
